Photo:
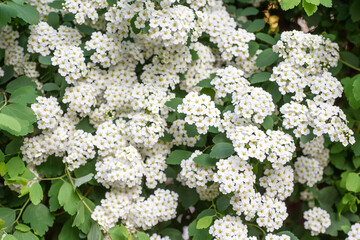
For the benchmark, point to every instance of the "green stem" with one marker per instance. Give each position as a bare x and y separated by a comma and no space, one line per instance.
255,225
54,178
18,217
5,99
350,66
207,147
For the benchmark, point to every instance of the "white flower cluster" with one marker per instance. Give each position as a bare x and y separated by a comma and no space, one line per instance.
179,133
42,6
201,111
81,97
158,237
196,176
85,9
230,228
317,220
309,168
354,233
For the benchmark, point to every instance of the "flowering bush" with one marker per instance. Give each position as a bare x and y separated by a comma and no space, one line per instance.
169,119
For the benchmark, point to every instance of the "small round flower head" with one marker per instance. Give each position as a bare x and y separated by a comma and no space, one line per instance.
317,220
308,170
246,202
230,228
271,214
158,237
47,111
354,233
81,98
179,133
201,111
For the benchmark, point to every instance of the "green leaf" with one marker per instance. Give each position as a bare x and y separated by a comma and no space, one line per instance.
9,123
2,156
268,123
205,83
173,233
356,146
26,12
133,26
80,181
8,216
53,194
205,160
10,237
15,166
221,137
58,4
53,167
117,233
256,25
6,13
68,232
253,47
260,77
50,87
222,150
249,11
177,156
111,2
194,55
83,218
266,58
45,60
350,58
309,8
25,235
174,103
348,89
265,38
204,222
36,193
191,130
222,203
68,198
201,233
53,19
85,125
3,169
39,217
142,236
2,222
289,4
22,227
356,88
95,232
18,83
187,197
326,3
24,95
290,234
8,73
85,29
167,137
353,182
354,11
315,2
20,111
356,162
307,138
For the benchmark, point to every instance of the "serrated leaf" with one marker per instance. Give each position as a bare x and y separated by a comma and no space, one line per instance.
36,193
68,198
174,103
204,222
80,181
25,235
20,111
39,217
353,182
83,218
15,166
222,150
8,216
176,156
289,4
26,12
309,8
326,3
260,77
22,227
266,58
205,160
10,237
315,2
23,95
256,25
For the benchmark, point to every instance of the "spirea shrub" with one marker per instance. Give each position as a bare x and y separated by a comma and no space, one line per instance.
167,119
